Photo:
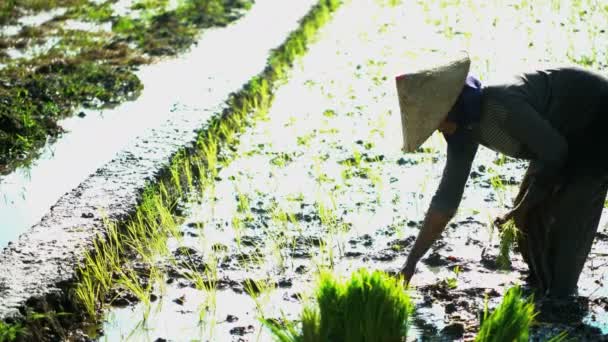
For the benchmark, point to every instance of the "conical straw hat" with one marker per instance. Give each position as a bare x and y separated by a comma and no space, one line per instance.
426,96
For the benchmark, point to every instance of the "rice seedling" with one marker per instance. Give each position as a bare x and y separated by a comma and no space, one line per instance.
452,282
281,160
130,281
238,227
201,175
277,253
279,235
242,206
368,307
327,215
88,293
508,236
187,166
207,283
175,176
304,140
98,270
510,321
11,332
259,291
208,145
376,179
326,257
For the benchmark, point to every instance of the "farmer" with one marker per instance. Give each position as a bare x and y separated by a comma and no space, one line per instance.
557,119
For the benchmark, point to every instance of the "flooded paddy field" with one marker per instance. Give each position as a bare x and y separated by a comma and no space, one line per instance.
318,182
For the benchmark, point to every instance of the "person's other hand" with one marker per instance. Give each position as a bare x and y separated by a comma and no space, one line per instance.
501,220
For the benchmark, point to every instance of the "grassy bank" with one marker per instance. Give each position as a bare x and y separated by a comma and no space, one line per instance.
107,271
85,56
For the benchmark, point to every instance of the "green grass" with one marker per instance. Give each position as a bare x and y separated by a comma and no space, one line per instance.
368,307
510,321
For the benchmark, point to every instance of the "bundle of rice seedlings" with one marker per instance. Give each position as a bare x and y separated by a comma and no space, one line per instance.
510,321
368,307
508,236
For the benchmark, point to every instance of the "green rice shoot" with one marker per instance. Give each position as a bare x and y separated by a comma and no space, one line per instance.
510,321
368,307
508,236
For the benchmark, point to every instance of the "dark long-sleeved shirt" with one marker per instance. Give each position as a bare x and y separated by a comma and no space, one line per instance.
532,117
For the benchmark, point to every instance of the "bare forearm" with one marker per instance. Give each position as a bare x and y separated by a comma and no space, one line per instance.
434,225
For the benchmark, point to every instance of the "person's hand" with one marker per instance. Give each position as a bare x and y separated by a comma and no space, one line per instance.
534,194
433,226
407,271
501,220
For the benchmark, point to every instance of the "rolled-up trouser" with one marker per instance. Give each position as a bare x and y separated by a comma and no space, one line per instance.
556,236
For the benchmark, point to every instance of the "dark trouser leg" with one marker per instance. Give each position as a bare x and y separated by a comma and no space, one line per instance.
576,215
558,234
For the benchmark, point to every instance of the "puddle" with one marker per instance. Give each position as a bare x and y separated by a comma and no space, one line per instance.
31,20
34,49
195,85
87,26
122,7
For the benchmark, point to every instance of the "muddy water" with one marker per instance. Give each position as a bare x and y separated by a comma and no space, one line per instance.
322,183
196,83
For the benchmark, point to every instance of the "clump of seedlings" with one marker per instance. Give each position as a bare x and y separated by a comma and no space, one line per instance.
368,307
508,236
510,321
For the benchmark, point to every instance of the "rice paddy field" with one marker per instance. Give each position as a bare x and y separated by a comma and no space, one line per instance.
303,174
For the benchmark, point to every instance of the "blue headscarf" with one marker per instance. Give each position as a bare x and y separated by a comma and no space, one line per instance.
467,109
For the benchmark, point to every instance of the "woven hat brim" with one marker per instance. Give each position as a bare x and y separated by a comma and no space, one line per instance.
425,98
